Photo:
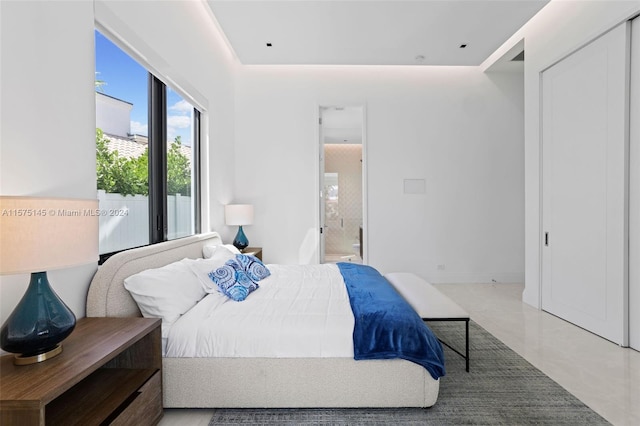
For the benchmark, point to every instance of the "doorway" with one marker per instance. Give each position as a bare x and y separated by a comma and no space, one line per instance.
342,195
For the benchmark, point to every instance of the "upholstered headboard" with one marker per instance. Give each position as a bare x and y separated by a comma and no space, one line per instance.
107,296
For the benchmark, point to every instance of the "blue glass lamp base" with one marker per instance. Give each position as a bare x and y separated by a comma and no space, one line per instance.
240,241
38,324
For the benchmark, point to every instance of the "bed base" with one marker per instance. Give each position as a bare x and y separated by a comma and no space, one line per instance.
295,382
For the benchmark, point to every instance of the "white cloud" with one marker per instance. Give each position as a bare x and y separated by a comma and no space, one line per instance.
178,121
182,107
138,128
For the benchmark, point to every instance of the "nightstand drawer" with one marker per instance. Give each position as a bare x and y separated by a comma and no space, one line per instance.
146,406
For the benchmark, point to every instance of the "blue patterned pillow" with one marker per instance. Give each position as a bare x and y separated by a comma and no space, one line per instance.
233,283
253,267
238,277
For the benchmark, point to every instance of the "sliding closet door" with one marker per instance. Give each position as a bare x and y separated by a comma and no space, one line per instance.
634,191
585,184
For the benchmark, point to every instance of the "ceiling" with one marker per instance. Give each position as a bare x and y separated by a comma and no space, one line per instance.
358,32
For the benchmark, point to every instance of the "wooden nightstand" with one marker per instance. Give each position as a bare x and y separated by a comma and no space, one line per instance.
253,251
109,372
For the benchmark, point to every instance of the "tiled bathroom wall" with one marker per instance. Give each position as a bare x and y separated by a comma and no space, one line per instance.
343,205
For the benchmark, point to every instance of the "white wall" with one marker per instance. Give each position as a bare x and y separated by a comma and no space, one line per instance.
458,128
559,29
48,120
48,103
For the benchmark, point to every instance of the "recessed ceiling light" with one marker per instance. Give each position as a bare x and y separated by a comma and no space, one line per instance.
462,46
269,45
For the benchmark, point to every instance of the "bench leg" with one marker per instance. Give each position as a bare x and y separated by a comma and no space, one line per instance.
466,330
467,340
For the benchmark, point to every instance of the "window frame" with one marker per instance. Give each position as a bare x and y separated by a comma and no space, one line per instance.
158,224
157,175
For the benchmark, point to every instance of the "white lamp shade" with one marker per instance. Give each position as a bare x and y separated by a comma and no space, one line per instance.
238,214
41,234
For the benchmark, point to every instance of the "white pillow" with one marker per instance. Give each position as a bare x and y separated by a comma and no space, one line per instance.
202,267
166,292
221,249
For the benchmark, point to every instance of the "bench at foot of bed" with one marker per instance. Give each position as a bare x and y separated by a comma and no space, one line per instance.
430,304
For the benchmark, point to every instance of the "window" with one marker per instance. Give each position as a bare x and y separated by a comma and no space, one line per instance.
147,141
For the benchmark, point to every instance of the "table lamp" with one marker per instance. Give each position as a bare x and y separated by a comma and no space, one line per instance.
37,235
239,214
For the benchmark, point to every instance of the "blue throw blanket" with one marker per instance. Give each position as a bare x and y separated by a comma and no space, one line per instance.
386,326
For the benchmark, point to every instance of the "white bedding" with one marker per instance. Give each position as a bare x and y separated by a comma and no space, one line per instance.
300,311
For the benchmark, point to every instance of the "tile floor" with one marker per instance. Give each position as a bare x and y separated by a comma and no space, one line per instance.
603,375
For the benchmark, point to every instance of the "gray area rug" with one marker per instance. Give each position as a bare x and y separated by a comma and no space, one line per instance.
502,388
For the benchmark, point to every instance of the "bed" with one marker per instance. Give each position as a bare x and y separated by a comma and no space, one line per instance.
262,381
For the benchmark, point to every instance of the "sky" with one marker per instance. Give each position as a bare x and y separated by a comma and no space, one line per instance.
127,80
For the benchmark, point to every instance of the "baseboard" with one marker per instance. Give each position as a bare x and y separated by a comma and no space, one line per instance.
470,277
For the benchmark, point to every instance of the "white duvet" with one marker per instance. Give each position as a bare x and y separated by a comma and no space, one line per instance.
300,311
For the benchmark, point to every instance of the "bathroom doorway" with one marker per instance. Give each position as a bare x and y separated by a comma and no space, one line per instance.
342,186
